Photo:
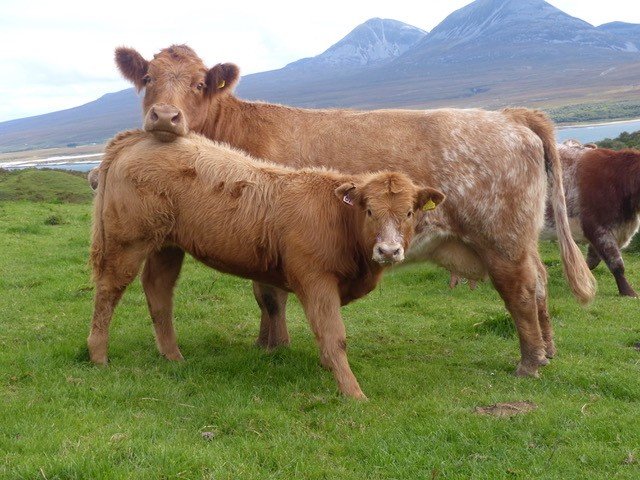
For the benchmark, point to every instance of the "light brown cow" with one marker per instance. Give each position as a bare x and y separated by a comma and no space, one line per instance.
491,166
323,235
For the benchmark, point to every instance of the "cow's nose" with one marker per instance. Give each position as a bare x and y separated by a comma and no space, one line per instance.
163,114
165,121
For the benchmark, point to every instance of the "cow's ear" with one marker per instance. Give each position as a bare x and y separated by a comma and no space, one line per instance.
132,65
348,193
428,199
222,78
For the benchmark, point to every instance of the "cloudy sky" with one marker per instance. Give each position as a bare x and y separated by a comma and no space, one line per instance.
58,55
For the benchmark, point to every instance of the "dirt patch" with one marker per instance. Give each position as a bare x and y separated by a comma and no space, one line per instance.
507,409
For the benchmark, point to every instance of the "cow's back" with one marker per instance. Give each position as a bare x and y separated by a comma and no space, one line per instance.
483,161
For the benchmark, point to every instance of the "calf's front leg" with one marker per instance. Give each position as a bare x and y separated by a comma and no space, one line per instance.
321,302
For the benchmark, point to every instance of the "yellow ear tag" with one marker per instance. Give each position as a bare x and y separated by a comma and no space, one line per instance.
430,205
221,84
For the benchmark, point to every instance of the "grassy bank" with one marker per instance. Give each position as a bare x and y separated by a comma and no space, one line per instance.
426,357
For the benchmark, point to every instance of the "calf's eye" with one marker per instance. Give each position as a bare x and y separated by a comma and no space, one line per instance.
200,86
410,214
369,212
146,79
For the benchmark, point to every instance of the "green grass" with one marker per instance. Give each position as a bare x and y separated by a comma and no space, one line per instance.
426,357
591,112
57,186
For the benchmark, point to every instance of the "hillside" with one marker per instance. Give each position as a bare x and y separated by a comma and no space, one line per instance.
490,53
44,186
94,122
624,140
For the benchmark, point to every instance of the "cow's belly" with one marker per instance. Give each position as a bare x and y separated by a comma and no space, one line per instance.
625,232
447,251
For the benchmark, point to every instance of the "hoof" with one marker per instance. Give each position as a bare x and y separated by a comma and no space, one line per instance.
174,357
272,345
356,395
526,370
100,360
97,351
550,350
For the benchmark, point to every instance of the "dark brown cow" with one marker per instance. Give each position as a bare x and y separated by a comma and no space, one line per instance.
323,235
603,203
491,166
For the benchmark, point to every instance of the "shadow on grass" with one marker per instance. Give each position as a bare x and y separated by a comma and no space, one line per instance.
499,324
219,360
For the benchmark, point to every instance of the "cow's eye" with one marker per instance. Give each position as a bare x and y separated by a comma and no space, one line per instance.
369,212
146,79
410,214
200,86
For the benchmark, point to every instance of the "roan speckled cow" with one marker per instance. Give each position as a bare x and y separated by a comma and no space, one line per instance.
493,167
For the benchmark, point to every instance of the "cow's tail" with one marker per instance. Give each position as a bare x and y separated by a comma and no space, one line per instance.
581,281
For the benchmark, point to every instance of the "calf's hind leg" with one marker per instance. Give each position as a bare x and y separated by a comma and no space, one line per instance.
119,267
516,281
321,302
159,276
273,321
593,259
606,246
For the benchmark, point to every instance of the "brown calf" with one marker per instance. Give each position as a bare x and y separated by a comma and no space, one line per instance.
323,235
603,203
491,166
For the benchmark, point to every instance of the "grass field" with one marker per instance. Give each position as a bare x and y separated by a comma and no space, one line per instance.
425,356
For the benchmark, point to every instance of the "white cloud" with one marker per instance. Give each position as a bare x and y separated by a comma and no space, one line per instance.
60,54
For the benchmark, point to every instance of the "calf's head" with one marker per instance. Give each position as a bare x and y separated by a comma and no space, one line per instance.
177,76
388,203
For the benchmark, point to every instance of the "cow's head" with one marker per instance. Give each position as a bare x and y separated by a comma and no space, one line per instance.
176,76
388,203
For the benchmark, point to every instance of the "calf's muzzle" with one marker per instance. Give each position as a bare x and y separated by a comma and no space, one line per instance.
388,253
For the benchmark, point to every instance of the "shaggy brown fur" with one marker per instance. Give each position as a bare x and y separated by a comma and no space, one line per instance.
603,203
312,232
491,165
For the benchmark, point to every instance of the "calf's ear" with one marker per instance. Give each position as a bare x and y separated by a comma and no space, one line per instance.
428,198
348,193
222,78
132,65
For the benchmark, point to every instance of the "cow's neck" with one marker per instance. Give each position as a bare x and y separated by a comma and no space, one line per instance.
239,123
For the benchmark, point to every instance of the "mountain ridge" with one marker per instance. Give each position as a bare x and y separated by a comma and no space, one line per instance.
490,53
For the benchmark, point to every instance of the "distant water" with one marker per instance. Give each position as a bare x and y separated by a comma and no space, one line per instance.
597,132
79,163
583,133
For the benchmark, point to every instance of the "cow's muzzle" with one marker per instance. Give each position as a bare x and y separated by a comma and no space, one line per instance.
166,122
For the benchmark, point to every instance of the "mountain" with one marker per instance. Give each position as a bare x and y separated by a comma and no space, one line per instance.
490,53
628,31
375,41
94,122
517,24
